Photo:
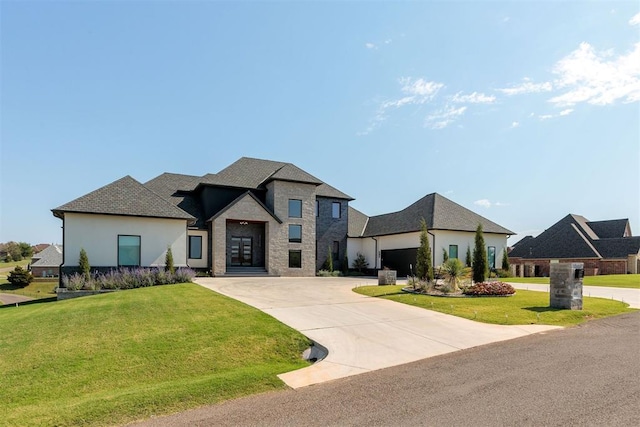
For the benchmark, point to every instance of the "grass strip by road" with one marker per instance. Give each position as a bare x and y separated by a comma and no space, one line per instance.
523,308
114,358
35,289
629,281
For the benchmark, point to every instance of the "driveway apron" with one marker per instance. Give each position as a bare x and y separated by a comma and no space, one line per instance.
361,333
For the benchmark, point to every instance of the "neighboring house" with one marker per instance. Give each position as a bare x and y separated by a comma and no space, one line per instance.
46,263
39,247
392,240
253,216
605,247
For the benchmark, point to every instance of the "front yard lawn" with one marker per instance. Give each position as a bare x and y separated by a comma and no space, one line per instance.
631,281
35,289
523,308
113,358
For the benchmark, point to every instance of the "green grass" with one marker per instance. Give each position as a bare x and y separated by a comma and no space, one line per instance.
523,308
630,281
8,266
34,290
113,358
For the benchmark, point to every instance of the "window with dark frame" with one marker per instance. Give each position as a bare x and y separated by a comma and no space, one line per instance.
295,233
295,259
128,251
317,207
453,251
195,247
491,254
295,208
335,210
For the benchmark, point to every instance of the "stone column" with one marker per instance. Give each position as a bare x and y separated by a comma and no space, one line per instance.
565,289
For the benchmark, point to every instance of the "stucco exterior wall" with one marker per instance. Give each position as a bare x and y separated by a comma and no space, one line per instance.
202,262
98,235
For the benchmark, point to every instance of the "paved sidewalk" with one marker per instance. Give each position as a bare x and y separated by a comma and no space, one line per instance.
361,333
13,298
629,296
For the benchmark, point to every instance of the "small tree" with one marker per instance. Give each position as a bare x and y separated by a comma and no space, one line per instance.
445,255
424,269
20,277
330,260
25,250
480,263
505,260
168,261
83,262
467,260
14,253
360,263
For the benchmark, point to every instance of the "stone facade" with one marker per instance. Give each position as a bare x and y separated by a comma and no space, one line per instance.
277,199
329,230
565,289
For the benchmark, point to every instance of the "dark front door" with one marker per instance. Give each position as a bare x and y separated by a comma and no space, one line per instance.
241,250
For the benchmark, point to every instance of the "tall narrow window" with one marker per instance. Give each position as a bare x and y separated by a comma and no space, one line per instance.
128,251
195,247
295,233
491,255
453,251
295,259
335,209
335,250
317,207
295,208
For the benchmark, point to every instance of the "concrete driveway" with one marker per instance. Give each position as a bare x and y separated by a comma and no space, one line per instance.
361,333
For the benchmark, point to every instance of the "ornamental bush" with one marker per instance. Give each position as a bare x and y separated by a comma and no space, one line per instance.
20,277
125,278
490,288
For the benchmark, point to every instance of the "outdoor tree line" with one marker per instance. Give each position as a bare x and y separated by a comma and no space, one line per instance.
15,251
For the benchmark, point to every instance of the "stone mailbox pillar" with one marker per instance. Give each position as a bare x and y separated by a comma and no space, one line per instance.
387,277
566,285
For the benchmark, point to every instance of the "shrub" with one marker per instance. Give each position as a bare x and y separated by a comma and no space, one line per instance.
327,273
360,263
424,268
453,271
505,260
168,261
125,278
503,273
480,263
20,277
184,275
490,288
83,262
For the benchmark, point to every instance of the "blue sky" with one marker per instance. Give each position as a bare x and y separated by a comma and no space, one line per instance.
521,111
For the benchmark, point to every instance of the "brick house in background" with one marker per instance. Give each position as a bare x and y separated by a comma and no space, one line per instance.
46,263
605,247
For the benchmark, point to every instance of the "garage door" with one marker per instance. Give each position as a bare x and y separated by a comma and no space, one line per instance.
400,260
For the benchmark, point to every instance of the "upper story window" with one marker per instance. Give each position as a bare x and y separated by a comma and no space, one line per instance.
195,247
295,208
295,233
128,251
335,210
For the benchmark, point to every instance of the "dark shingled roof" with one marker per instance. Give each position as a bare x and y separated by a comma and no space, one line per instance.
574,237
51,256
125,196
325,190
609,229
357,222
173,187
439,212
253,173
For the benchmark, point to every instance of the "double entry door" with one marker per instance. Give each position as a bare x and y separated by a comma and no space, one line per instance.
241,251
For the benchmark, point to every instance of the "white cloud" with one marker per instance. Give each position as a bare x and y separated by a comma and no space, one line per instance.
635,20
527,86
545,116
566,112
370,46
388,41
474,98
515,125
421,88
597,78
501,204
444,117
483,202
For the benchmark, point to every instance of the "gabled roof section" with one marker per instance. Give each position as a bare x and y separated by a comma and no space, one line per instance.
325,190
564,239
127,197
357,223
250,194
611,229
51,256
620,247
175,188
253,173
439,213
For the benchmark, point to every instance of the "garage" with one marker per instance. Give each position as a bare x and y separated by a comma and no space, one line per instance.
401,260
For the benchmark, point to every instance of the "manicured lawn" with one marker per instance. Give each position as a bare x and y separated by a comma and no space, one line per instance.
631,281
8,266
34,290
525,307
113,358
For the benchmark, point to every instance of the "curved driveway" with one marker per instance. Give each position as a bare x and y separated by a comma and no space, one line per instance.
361,333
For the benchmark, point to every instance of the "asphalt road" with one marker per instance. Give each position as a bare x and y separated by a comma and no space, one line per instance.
586,375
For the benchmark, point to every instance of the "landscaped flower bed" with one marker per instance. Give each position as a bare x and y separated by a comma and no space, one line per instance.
489,289
125,278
